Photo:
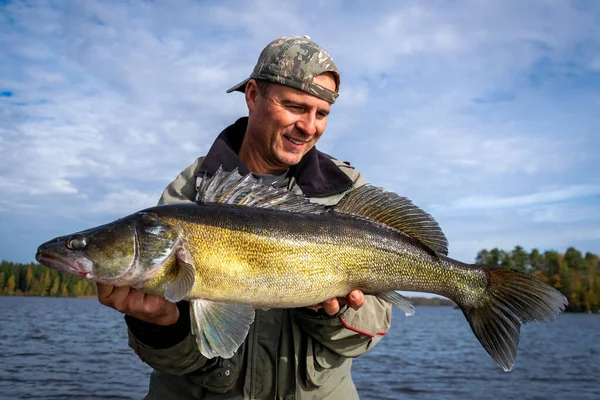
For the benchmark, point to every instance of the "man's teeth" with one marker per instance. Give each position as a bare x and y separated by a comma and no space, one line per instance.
294,141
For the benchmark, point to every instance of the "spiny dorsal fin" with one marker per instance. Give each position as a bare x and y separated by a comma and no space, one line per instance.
397,212
233,188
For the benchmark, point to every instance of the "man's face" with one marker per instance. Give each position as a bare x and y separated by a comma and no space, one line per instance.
283,125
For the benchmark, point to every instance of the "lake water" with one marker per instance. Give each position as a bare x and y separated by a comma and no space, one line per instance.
55,348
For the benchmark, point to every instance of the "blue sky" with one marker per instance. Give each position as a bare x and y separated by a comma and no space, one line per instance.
484,113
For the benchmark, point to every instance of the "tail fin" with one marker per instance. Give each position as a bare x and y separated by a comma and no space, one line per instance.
512,298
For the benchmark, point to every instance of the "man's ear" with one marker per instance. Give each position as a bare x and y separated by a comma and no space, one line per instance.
251,94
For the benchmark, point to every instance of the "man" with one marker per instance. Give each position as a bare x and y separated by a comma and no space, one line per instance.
290,353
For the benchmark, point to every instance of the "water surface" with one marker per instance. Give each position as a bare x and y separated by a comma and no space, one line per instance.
57,348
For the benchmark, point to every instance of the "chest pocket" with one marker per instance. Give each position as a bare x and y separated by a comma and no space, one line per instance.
323,365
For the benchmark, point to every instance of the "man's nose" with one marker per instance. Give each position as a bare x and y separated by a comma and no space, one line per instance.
307,124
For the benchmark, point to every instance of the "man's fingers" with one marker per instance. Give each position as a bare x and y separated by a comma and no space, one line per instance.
104,291
119,298
114,296
331,306
133,302
356,299
155,304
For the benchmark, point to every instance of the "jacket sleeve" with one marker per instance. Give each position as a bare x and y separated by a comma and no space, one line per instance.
349,333
170,349
183,188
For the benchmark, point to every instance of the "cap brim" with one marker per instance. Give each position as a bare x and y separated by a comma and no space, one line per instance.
240,87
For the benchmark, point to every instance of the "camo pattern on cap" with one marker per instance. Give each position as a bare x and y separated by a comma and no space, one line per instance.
295,61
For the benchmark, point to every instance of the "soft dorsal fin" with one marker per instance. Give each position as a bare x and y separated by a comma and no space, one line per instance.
233,188
397,212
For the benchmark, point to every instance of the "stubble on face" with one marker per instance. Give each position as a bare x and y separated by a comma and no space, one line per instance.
283,126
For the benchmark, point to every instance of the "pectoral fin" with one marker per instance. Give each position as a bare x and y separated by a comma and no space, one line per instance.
220,328
183,284
399,301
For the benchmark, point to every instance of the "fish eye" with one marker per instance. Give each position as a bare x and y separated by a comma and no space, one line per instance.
76,242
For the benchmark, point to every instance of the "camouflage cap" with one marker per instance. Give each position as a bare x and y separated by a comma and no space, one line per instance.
294,61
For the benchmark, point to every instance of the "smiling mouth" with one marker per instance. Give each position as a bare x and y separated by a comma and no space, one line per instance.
296,141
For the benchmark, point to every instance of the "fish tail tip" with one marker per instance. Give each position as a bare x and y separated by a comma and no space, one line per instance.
513,299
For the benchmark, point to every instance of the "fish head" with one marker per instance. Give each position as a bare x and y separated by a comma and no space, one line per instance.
121,253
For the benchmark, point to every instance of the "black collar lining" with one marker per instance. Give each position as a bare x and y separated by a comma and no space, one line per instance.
316,174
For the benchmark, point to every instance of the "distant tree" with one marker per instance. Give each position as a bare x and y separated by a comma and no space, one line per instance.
564,277
593,282
55,286
552,261
507,261
495,257
28,279
520,259
11,285
575,260
536,260
64,290
482,257
46,280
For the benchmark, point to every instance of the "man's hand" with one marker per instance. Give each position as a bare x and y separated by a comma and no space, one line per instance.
355,299
145,307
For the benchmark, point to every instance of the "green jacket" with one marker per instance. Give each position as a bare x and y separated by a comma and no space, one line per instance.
289,353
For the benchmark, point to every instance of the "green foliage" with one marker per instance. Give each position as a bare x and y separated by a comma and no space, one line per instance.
574,275
36,280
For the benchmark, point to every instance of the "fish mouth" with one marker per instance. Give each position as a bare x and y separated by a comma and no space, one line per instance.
80,266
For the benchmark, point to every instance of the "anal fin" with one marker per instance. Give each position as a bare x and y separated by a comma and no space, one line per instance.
398,300
220,328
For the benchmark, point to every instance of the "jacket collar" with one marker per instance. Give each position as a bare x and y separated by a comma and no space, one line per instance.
316,174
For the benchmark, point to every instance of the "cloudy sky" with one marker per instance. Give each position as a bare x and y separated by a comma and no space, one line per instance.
484,113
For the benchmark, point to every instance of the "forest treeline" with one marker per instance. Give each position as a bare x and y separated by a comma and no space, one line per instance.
577,276
36,280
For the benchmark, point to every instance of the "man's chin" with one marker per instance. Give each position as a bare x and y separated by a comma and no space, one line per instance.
289,160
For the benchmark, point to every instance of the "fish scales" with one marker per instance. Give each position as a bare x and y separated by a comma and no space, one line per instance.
278,259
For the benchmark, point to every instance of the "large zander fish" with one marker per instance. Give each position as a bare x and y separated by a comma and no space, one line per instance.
245,245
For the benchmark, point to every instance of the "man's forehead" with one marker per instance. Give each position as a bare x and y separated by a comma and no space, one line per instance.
287,93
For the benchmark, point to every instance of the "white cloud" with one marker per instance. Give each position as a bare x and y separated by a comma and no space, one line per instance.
122,203
110,100
546,196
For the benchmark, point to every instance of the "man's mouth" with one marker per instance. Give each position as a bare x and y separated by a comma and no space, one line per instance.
297,142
